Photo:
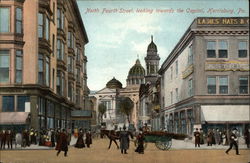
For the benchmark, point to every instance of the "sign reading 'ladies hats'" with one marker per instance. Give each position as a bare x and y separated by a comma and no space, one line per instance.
223,21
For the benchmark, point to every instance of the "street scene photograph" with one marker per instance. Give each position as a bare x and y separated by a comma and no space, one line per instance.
124,81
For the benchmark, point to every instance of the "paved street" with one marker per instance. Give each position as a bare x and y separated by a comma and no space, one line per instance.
99,153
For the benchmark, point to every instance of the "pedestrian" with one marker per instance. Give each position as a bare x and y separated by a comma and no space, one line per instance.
26,138
32,136
3,139
201,137
9,139
69,135
76,133
197,138
247,137
224,137
217,136
88,138
233,142
213,137
62,143
52,138
80,142
140,140
145,128
124,140
209,137
18,139
40,137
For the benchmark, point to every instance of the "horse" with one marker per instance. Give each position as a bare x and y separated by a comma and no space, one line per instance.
112,135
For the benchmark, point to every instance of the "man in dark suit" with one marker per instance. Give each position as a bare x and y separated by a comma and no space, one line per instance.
197,138
62,144
9,137
124,140
233,142
3,139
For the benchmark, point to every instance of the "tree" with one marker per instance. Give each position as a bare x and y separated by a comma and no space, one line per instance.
126,106
102,109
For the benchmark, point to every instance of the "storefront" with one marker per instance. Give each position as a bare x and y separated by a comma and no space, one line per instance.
225,117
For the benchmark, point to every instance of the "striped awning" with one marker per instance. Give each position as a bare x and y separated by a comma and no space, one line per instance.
13,117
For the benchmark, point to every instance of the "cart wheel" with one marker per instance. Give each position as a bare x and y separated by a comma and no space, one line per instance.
169,144
160,145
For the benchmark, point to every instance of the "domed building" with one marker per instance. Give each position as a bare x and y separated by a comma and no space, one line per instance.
114,84
108,96
136,74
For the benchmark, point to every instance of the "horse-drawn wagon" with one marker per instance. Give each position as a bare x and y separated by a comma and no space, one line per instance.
162,140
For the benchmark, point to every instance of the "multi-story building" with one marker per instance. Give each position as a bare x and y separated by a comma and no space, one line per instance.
149,92
205,79
42,63
111,95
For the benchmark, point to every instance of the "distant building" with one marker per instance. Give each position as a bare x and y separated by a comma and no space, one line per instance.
149,94
205,79
111,94
42,63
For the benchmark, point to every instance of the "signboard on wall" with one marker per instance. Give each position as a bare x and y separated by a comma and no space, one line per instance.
27,106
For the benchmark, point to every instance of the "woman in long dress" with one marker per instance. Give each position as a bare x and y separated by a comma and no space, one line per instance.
88,139
80,142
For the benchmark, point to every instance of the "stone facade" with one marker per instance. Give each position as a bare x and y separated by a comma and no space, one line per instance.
206,75
42,49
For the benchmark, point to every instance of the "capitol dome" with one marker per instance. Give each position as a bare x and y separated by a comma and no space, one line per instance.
136,74
114,84
137,69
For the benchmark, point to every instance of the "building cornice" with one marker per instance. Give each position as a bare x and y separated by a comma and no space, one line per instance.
198,29
210,100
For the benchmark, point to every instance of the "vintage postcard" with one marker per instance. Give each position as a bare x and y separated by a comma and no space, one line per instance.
107,81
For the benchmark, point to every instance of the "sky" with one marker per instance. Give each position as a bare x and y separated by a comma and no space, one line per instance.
120,31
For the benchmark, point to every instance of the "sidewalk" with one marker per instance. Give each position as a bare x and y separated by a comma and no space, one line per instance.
176,145
37,147
181,144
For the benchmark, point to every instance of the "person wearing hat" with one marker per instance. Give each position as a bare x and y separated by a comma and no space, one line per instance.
80,142
140,140
197,138
62,144
124,140
233,142
3,139
88,138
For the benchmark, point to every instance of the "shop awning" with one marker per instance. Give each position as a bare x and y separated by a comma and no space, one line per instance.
81,113
13,117
225,113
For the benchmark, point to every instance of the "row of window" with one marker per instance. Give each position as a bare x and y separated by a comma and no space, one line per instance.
215,85
5,66
52,115
219,84
219,49
43,70
14,103
73,95
5,20
190,92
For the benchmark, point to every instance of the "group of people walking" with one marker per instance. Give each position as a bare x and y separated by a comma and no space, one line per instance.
213,137
216,137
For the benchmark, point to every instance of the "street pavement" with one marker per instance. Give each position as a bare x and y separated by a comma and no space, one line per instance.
180,152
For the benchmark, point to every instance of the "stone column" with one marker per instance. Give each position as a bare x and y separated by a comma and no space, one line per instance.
34,121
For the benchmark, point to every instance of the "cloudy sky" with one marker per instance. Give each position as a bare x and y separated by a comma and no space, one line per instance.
119,31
